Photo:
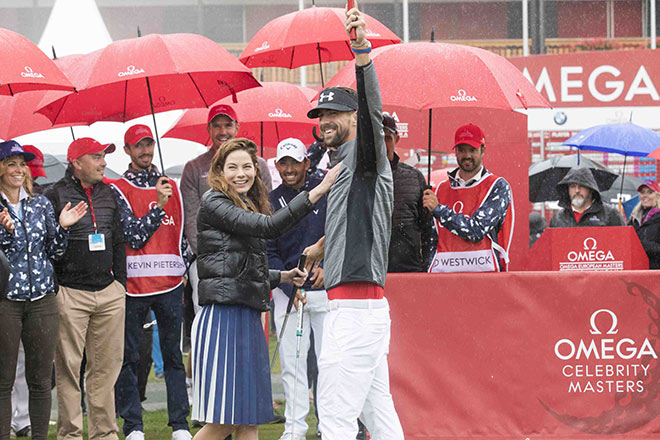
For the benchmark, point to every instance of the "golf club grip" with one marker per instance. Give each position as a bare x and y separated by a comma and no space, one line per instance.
301,266
350,5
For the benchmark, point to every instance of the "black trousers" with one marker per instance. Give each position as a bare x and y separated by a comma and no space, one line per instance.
36,324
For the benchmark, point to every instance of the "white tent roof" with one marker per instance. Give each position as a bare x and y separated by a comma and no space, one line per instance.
74,26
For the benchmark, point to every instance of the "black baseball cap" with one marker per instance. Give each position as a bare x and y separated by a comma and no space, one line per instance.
389,123
334,98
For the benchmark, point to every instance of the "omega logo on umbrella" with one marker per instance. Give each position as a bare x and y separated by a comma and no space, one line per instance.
30,74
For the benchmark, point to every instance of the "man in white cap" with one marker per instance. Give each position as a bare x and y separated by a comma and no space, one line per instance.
151,212
283,254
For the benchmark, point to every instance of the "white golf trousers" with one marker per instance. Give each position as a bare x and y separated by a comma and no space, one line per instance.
353,376
314,314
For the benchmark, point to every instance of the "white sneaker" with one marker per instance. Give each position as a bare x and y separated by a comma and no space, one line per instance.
135,435
289,436
181,434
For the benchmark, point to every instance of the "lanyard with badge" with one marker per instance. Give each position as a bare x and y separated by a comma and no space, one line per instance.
96,240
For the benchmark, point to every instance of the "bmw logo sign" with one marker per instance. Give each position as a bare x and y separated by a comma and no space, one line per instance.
560,118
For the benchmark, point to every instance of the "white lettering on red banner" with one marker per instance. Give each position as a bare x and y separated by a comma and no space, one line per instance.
594,79
590,259
156,265
608,372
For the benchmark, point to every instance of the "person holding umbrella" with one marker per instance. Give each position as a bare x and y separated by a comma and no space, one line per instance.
30,237
645,218
473,210
353,368
231,372
581,204
151,213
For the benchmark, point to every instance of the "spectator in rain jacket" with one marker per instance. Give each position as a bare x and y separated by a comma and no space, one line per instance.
30,236
581,203
645,218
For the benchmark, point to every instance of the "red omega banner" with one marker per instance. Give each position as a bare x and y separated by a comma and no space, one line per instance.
594,79
609,248
526,355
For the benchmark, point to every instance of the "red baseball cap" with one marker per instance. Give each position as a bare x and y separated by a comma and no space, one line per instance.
469,134
651,184
82,146
222,109
37,164
136,133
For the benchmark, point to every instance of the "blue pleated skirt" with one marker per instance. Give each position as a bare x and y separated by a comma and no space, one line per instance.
231,372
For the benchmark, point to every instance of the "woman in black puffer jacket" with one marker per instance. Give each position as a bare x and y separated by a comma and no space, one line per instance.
231,375
645,218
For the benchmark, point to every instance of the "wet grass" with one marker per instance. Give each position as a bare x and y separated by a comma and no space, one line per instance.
155,422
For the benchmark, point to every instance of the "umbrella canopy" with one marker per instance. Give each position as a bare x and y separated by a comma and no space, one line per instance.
433,76
18,112
622,192
545,175
309,36
156,73
655,154
624,138
266,115
25,67
425,75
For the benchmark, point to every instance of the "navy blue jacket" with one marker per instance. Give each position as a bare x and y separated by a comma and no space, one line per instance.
284,252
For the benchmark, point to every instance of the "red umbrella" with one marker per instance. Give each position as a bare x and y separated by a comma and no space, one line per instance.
430,76
655,154
266,115
310,36
18,112
25,67
156,73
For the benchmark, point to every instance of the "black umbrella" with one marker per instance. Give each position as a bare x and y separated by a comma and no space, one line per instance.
55,167
629,188
544,176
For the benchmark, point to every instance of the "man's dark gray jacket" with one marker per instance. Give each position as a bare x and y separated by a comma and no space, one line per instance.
359,212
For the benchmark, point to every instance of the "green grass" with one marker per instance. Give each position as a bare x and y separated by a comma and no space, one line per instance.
155,422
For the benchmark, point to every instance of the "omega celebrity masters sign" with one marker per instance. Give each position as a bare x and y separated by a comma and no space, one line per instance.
610,248
526,355
594,79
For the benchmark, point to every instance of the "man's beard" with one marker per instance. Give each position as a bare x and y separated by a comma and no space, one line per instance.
578,201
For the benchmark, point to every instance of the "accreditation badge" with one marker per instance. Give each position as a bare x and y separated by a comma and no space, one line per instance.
96,242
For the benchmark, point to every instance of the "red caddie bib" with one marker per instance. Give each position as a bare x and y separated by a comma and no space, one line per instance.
455,254
157,267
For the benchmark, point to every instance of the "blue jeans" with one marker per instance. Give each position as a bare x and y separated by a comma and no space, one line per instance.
168,308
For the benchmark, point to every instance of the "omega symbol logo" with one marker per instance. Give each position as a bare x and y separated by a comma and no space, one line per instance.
594,329
587,241
458,205
327,96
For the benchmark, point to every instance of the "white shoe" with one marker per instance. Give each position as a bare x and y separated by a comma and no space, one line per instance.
181,434
135,435
289,436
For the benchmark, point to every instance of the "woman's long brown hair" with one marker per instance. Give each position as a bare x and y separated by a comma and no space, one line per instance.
257,196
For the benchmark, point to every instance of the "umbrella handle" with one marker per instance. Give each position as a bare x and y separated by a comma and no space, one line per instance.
350,5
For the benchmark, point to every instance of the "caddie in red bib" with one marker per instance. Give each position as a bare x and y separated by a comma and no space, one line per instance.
473,211
157,266
151,213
